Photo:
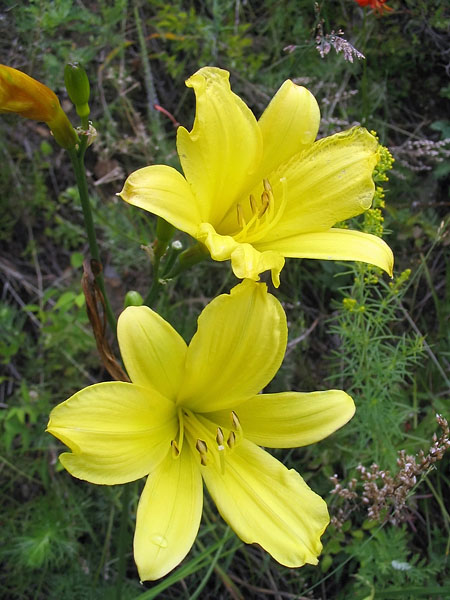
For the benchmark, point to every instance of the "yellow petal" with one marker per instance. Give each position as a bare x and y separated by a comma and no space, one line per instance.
220,246
267,504
238,348
117,431
224,147
288,125
163,191
290,419
246,261
168,515
337,244
152,351
328,183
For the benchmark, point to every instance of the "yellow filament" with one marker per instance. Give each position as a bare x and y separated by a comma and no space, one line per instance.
181,430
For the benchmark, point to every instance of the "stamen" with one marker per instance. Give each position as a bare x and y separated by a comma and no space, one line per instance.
267,186
265,199
202,449
231,441
181,425
240,216
221,448
220,439
253,206
201,446
235,421
175,449
238,434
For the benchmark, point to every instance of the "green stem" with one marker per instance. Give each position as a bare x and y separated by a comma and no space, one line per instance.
187,259
153,291
80,176
122,540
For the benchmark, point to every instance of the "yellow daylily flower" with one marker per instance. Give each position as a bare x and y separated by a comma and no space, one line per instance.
255,191
27,97
194,412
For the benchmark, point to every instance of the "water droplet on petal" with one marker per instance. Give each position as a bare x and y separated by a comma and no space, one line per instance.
159,540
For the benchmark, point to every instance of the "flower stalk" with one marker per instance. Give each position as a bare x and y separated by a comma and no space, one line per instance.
77,158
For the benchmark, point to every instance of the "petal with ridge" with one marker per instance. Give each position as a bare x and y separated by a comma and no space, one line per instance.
237,349
168,515
163,191
267,504
337,244
152,351
288,125
290,419
328,183
224,147
117,431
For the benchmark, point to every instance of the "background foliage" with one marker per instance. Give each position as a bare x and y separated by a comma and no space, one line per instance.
384,342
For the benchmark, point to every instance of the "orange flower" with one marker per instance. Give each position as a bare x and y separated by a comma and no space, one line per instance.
376,5
31,99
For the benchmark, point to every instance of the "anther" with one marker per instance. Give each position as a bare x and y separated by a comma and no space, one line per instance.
238,434
202,448
235,421
265,199
253,204
220,439
240,216
175,449
231,441
267,186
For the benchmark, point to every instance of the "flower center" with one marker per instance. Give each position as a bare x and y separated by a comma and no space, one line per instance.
257,217
211,442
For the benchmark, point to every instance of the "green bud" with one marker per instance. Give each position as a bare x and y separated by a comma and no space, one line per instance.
77,86
133,298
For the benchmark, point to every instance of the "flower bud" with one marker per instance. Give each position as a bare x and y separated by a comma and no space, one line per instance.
31,99
133,298
77,86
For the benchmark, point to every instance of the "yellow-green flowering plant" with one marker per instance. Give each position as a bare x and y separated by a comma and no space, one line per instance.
29,98
194,412
255,192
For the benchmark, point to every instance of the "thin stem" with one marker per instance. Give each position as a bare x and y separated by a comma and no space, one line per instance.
153,291
80,176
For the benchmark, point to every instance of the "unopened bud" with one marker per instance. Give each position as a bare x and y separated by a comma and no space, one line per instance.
77,86
27,97
133,298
